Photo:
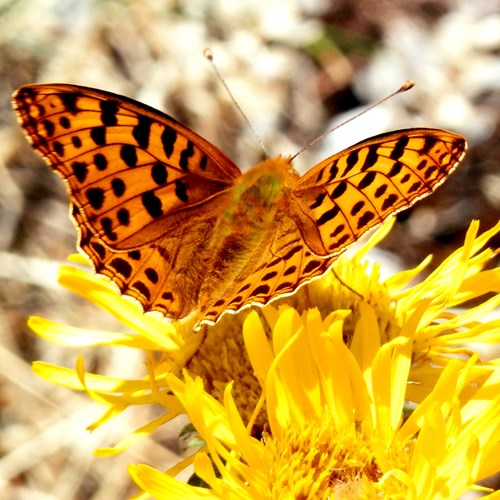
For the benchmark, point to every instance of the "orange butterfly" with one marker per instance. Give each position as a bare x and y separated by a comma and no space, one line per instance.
175,223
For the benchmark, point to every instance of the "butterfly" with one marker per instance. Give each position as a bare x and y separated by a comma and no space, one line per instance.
175,224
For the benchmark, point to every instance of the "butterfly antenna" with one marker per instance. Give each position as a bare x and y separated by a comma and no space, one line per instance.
343,283
406,86
210,58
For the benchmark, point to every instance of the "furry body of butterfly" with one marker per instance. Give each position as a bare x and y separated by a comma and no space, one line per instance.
237,241
176,225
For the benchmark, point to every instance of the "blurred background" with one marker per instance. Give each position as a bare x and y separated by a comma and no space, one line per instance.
297,68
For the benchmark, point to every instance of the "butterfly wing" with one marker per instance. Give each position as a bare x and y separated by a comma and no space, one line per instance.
145,190
332,205
133,172
355,190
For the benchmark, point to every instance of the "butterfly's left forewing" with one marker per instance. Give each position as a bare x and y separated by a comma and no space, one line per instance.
131,170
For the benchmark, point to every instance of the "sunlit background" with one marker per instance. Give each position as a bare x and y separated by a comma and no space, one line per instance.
296,68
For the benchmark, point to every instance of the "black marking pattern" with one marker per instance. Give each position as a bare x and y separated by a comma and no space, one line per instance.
129,155
135,254
80,170
168,139
70,102
142,131
107,228
185,155
123,216
118,187
100,161
159,173
109,110
64,122
181,190
151,274
152,204
98,135
95,197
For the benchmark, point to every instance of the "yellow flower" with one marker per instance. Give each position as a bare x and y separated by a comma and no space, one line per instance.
335,422
218,355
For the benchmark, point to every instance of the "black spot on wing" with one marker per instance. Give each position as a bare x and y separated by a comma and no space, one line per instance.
367,180
109,109
333,172
186,153
99,249
339,229
269,276
98,135
123,216
390,201
395,169
118,187
365,219
328,215
429,143
351,160
399,147
151,274
159,173
381,190
70,102
49,127
260,290
80,170
128,154
142,289
100,161
152,204
95,197
168,140
357,207
311,266
339,190
181,190
319,201
371,157
58,147
64,122
107,227
142,131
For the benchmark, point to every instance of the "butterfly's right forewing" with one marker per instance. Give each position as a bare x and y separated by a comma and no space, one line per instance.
355,190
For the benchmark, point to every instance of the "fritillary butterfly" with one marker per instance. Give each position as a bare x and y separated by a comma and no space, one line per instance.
175,224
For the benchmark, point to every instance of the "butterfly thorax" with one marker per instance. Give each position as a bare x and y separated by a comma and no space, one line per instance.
237,239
